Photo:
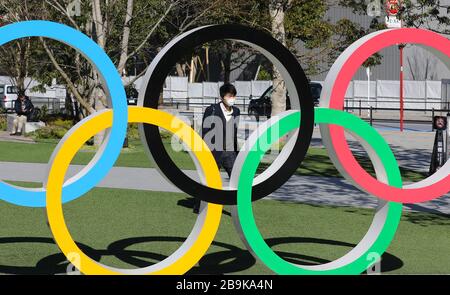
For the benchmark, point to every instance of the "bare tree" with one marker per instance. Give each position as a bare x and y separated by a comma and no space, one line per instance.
15,57
99,25
277,14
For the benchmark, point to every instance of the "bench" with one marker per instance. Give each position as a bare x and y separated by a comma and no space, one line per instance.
29,126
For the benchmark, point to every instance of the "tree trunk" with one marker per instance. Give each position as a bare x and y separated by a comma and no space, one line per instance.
277,13
98,95
21,66
100,29
227,63
181,72
68,104
125,38
193,70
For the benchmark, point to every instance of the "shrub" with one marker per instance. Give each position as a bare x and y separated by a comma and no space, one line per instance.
3,123
59,132
54,130
133,132
43,133
66,124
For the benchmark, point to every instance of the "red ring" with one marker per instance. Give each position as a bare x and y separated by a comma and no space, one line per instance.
339,143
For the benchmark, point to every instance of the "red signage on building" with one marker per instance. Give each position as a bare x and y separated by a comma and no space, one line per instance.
393,7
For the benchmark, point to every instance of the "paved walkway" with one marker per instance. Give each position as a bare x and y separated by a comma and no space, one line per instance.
4,136
411,149
308,189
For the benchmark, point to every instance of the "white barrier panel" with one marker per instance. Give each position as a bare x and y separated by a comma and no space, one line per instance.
176,87
178,84
259,87
210,89
381,91
166,94
433,89
243,88
360,89
349,93
414,89
195,90
388,89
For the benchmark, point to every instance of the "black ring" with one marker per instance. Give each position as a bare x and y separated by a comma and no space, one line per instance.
161,67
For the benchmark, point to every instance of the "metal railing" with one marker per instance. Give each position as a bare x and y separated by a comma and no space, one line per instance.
369,113
206,101
427,105
190,105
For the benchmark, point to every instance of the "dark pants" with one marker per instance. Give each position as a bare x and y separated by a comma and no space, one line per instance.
226,161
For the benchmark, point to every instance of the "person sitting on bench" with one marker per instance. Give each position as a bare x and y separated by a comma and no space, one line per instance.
23,108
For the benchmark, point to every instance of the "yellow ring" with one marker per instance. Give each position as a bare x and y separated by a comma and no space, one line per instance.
74,140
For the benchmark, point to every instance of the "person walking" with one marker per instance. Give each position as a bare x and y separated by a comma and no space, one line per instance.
219,130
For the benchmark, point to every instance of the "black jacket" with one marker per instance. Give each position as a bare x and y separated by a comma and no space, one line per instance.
28,107
216,111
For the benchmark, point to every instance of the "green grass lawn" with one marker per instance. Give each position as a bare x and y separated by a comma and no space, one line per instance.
316,163
40,152
130,229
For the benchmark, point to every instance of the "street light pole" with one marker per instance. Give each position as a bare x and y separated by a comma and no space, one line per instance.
447,139
368,91
401,46
393,8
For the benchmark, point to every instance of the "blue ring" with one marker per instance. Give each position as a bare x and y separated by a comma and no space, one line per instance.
113,82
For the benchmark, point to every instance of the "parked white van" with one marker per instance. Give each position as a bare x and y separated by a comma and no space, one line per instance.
8,95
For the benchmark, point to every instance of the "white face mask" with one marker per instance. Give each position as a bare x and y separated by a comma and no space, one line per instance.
230,102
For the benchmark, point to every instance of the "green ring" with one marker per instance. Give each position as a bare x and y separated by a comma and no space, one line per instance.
263,143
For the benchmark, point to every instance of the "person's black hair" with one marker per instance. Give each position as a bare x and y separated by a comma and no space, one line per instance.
227,89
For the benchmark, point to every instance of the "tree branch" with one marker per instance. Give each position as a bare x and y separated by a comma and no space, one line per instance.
151,31
69,83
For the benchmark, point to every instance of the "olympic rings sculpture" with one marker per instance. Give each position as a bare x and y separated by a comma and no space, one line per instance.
297,124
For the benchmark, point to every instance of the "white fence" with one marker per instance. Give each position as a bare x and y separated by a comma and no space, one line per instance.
178,90
383,93
386,94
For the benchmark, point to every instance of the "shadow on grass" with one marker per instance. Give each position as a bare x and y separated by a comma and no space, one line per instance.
51,264
232,259
189,202
389,262
426,219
